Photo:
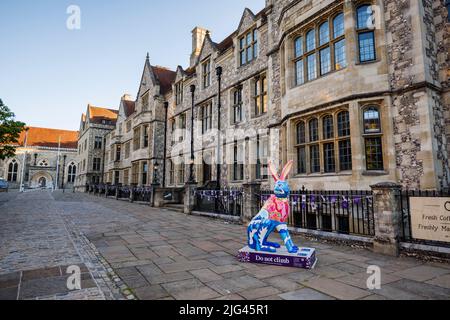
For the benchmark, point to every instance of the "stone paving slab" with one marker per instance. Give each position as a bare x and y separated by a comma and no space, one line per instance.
305,294
133,251
336,289
422,273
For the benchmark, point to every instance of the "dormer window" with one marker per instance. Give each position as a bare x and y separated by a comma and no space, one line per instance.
248,47
206,68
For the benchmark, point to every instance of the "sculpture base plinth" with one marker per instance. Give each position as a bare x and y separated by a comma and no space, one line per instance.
304,259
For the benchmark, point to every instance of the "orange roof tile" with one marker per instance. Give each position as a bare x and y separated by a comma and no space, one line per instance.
44,137
97,114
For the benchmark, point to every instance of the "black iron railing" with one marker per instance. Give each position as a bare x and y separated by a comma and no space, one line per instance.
226,201
405,203
142,194
111,191
124,192
343,212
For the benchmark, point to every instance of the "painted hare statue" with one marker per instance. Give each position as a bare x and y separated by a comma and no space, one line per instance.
273,216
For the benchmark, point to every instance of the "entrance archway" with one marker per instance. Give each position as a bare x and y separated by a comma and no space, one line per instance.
41,179
42,182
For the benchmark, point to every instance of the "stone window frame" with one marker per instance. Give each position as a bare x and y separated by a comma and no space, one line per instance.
116,181
144,173
127,150
135,173
237,105
262,161
300,58
364,30
260,95
181,172
245,47
303,166
145,136
206,118
238,164
136,139
71,172
96,164
182,125
173,129
179,88
118,153
98,142
378,135
171,173
13,171
145,100
128,125
126,177
206,73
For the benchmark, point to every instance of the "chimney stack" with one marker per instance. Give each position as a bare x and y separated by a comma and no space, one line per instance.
127,97
198,36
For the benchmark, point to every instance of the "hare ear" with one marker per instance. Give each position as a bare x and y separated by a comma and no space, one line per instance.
273,171
286,170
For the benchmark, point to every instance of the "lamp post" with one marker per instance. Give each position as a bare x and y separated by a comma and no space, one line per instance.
191,163
166,109
219,106
155,173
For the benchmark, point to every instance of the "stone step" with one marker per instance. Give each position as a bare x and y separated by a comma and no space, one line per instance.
175,207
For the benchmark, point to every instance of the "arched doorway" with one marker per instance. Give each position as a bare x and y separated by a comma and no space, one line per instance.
42,182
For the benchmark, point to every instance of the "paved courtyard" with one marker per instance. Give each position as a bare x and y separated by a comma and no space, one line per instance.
130,251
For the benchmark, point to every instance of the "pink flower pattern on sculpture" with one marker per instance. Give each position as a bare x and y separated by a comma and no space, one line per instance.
278,209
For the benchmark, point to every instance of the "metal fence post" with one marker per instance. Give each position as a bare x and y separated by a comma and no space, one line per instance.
388,217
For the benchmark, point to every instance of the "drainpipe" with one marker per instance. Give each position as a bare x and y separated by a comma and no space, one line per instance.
166,109
219,106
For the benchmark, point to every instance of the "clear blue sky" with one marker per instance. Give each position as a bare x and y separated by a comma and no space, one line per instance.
49,74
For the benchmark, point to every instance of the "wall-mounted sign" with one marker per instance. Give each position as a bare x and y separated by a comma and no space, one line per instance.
430,219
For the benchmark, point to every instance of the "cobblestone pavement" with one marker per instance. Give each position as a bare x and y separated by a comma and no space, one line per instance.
132,251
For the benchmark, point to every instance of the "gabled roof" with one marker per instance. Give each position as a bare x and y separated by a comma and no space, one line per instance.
98,114
44,137
226,43
166,78
190,71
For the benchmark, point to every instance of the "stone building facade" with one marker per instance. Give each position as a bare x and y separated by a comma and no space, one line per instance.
95,124
355,92
45,158
135,145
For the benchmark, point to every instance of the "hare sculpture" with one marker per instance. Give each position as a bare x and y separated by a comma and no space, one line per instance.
273,216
